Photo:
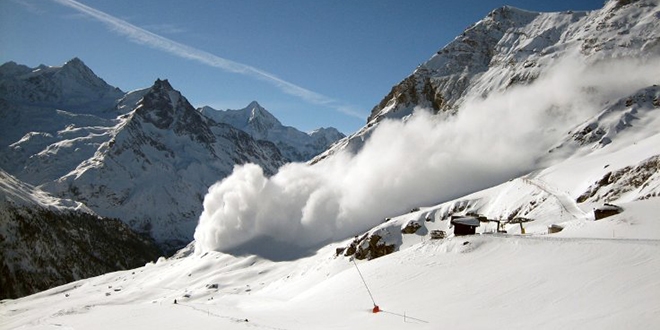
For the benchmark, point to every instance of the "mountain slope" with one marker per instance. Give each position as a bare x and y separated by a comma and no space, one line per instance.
160,161
52,118
46,241
497,132
510,48
72,86
609,265
262,125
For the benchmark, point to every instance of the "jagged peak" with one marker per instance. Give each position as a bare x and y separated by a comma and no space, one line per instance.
77,64
162,91
10,64
507,9
163,84
75,61
254,104
254,112
509,14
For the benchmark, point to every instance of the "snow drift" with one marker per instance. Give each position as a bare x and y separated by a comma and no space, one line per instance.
421,160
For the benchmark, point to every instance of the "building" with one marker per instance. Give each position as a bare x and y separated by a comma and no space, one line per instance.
465,225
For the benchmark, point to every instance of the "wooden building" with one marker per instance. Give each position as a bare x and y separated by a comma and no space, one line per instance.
465,225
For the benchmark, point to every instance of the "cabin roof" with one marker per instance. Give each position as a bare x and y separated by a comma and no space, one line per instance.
466,221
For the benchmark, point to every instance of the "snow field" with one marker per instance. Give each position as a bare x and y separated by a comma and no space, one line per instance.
579,278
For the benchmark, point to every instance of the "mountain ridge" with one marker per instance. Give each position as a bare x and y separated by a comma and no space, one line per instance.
262,125
511,47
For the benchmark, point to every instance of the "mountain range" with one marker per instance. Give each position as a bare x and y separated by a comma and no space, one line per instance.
526,128
146,157
294,145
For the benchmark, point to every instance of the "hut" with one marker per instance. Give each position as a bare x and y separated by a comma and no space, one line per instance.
465,225
607,210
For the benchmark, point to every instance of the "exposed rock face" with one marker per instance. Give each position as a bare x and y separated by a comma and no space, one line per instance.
626,114
642,179
606,211
46,241
438,234
41,248
411,227
369,246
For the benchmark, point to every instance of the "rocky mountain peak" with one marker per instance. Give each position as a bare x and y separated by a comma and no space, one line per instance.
329,133
165,108
163,84
76,63
512,14
76,71
259,118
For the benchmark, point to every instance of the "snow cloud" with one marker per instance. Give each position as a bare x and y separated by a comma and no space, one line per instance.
423,160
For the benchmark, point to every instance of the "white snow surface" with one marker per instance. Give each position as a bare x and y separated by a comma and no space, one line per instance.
20,193
593,275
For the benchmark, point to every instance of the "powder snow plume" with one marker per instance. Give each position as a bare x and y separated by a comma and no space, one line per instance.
423,160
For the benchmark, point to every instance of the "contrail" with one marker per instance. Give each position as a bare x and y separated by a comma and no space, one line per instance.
147,38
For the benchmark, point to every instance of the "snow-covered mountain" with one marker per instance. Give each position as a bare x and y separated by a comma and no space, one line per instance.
72,86
47,241
515,93
146,157
512,47
295,145
52,118
161,158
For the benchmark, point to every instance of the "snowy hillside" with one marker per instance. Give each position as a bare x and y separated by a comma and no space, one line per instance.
52,118
591,275
161,159
46,241
295,145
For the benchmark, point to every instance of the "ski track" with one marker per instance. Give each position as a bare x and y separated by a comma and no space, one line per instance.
562,197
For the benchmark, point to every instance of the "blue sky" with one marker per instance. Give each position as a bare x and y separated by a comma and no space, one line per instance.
311,63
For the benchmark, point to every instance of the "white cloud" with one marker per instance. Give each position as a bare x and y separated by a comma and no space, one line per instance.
423,160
